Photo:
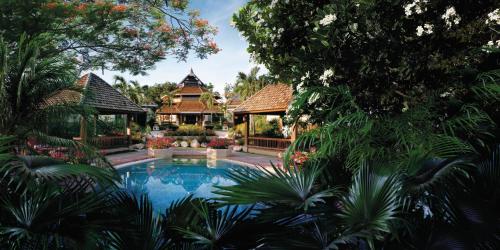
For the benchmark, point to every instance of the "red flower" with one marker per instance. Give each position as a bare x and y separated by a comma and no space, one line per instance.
164,28
218,144
119,8
300,157
200,23
159,143
51,5
81,7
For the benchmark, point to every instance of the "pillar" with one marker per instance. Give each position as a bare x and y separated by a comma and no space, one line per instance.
247,129
293,136
127,125
83,129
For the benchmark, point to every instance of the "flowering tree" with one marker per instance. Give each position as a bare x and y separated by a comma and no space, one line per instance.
118,35
390,58
402,90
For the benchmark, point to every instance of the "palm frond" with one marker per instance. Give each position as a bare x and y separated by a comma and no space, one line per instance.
371,205
294,188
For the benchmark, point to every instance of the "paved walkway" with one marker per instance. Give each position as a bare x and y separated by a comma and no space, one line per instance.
246,158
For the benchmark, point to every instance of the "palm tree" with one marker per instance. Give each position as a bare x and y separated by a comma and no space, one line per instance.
209,99
247,85
132,89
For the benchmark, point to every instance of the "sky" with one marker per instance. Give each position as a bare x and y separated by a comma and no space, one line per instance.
218,69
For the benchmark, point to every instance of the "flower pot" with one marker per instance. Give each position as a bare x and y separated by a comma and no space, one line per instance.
160,153
213,153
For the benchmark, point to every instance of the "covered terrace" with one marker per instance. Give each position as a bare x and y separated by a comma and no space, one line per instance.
272,100
106,101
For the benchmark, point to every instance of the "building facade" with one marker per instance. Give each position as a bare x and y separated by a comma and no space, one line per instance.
185,106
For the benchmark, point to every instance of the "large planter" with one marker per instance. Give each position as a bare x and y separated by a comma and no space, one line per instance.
160,153
213,153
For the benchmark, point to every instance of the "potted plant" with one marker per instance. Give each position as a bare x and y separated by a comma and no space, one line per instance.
218,148
160,147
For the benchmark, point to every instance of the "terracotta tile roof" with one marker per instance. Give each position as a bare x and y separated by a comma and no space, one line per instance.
272,98
61,97
98,94
189,106
234,101
190,90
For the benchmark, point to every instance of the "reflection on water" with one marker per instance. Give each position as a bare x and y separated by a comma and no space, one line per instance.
168,180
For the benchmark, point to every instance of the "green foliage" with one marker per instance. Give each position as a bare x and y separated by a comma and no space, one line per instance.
190,130
296,41
248,84
131,35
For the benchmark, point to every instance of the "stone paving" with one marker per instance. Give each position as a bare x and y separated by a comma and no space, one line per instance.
240,157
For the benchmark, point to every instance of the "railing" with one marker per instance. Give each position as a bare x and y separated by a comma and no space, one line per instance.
269,143
108,142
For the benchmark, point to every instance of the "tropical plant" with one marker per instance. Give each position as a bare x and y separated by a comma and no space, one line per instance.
131,89
43,200
248,84
209,99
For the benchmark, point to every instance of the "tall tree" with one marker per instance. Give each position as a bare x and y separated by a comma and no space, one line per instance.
248,84
209,99
159,91
132,35
132,89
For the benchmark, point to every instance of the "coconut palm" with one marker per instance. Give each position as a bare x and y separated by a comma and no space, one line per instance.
132,89
209,99
249,84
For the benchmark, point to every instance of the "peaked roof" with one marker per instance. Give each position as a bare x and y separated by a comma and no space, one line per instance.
271,98
100,95
191,79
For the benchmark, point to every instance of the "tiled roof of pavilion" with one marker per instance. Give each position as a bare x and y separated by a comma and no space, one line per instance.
272,98
188,106
99,94
234,101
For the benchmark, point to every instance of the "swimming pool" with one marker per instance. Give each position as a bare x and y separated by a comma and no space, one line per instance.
168,180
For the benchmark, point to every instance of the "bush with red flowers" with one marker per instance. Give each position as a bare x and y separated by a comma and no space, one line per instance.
218,144
160,143
300,157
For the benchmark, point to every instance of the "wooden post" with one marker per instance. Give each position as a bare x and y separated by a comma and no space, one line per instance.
293,136
127,125
83,129
247,129
96,117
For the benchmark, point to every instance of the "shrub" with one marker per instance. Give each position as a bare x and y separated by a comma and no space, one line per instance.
160,143
218,144
190,130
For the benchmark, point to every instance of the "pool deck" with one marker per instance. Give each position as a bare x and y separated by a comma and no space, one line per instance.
237,157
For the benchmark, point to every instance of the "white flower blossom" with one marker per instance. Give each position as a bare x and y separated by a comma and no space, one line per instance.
326,75
353,27
495,44
273,3
328,19
493,17
420,30
451,17
428,28
416,7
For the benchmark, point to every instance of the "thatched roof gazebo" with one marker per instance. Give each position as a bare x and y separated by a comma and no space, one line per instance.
106,100
271,100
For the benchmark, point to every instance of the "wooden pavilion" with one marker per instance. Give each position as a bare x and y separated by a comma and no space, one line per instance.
186,107
106,100
271,100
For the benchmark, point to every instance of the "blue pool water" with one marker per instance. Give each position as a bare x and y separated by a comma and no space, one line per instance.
168,180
